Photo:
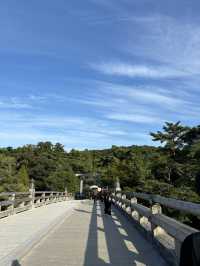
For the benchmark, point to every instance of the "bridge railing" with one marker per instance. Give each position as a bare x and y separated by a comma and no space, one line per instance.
165,232
15,202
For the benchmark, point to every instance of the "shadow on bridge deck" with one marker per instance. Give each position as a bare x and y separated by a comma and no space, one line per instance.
123,244
90,238
15,263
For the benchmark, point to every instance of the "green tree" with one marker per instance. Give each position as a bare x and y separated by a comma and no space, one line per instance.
7,173
172,136
22,179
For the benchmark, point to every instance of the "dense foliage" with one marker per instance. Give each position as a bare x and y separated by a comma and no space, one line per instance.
45,163
173,169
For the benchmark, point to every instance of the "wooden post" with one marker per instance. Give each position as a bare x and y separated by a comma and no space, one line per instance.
134,200
156,209
12,206
123,204
43,198
32,194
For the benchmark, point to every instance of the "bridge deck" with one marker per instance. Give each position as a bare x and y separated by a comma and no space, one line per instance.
19,232
89,238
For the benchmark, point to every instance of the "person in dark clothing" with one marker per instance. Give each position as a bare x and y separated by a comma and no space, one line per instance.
95,196
107,204
190,250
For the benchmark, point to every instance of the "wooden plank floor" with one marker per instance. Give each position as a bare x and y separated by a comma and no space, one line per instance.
89,238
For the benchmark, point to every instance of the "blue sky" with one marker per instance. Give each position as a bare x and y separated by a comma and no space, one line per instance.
96,73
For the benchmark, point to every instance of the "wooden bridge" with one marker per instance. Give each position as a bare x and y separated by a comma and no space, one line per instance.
50,228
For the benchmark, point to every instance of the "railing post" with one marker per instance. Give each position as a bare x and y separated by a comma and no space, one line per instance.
117,186
43,198
51,197
119,196
123,204
65,194
32,194
134,213
60,196
156,209
57,197
38,202
54,197
12,206
21,204
134,200
123,196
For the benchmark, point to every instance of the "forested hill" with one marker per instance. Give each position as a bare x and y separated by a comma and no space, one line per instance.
171,170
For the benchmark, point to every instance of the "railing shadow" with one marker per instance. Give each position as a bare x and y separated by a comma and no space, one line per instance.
117,250
15,263
91,254
144,255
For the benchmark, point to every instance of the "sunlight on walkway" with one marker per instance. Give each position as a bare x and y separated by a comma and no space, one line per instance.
102,246
90,238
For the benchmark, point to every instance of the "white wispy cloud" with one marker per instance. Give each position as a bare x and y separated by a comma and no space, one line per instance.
169,41
165,47
136,118
140,104
141,71
113,94
72,131
13,103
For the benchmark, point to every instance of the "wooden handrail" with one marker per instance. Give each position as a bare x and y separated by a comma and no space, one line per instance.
185,206
15,202
156,225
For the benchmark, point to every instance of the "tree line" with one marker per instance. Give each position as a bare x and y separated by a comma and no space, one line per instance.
171,169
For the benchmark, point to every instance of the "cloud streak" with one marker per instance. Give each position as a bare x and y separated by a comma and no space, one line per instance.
138,71
134,117
79,132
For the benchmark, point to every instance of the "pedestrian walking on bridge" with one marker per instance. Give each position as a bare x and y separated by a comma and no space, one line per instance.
107,204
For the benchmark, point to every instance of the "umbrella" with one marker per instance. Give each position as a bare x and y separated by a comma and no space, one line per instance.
94,187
